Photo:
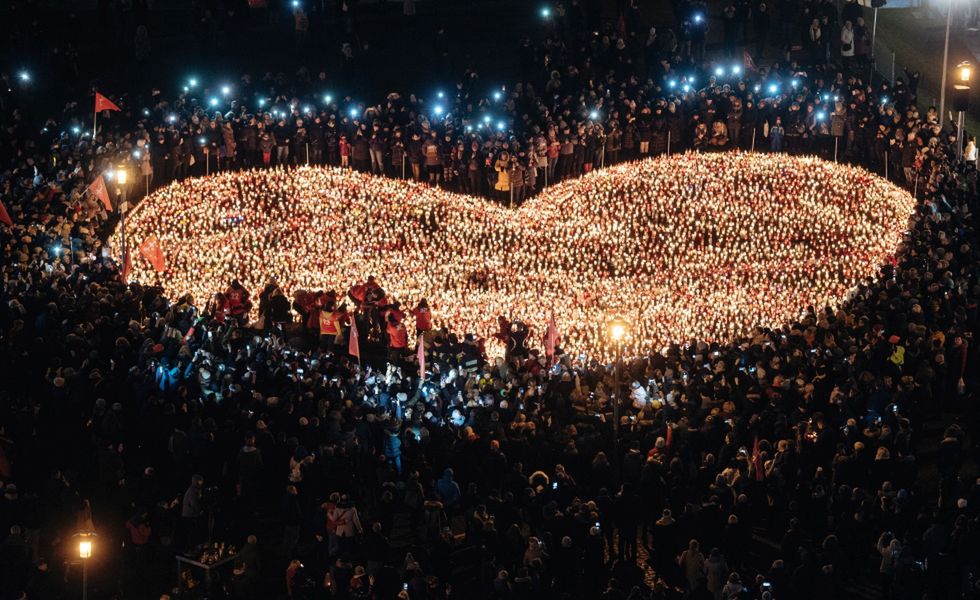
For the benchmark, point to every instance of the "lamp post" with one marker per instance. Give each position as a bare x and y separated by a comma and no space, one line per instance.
122,177
85,553
617,331
961,101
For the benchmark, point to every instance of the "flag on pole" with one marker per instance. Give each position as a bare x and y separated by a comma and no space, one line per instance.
151,251
127,267
5,216
551,338
353,348
757,465
421,355
99,190
102,103
747,63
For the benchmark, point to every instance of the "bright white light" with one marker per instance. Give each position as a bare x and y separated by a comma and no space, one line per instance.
171,118
501,125
719,71
137,154
698,18
757,87
440,95
546,12
736,70
686,88
295,3
497,95
57,250
202,141
307,109
773,88
795,83
594,115
672,83
24,76
146,112
261,101
353,113
328,99
225,90
437,110
109,174
214,102
486,119
821,116
469,128
76,130
192,82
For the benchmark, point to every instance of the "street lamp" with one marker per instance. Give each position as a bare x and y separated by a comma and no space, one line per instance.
961,101
85,553
617,331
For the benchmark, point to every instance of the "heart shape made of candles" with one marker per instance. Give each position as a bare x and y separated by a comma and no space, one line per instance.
694,246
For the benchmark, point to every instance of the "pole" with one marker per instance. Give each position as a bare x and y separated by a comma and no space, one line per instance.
307,154
602,155
836,140
147,177
123,209
886,162
511,185
942,89
874,31
615,397
753,140
207,162
95,124
84,579
959,136
403,164
915,188
668,142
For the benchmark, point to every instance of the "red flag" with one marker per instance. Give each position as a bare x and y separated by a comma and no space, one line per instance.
747,63
757,465
98,189
551,338
102,103
151,251
5,216
670,436
421,356
353,348
127,267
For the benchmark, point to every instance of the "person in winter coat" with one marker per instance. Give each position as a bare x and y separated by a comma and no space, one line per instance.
847,44
691,562
347,523
716,571
448,490
502,167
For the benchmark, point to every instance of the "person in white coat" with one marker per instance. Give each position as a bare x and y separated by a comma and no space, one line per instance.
847,43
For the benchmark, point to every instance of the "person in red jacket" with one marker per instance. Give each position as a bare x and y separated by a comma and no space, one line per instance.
397,338
238,301
423,317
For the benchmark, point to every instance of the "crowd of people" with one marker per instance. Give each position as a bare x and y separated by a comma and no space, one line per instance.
793,460
694,247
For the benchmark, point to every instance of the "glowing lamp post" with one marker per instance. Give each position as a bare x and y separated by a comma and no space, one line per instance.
617,331
85,553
